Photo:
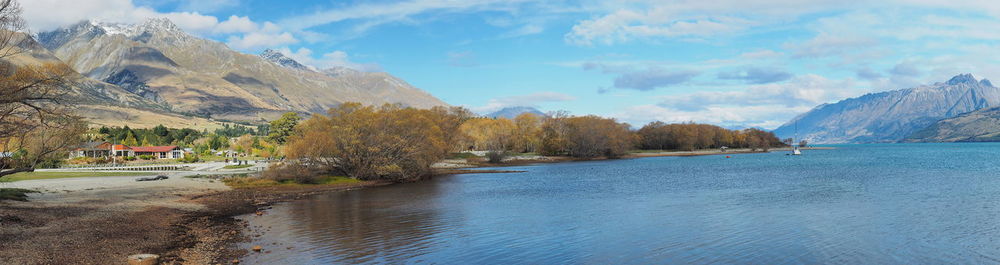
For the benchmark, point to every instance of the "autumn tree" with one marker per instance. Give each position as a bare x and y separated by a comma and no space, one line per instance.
496,136
35,123
371,143
554,133
593,136
527,132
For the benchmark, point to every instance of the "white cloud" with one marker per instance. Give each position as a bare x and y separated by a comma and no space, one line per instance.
805,90
529,100
624,21
382,13
763,116
328,60
256,40
766,106
238,24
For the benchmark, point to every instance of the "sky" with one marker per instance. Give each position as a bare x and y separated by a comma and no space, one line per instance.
734,63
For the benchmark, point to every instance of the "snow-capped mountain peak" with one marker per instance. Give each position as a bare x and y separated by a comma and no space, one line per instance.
280,59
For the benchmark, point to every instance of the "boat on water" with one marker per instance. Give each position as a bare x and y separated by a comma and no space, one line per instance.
796,151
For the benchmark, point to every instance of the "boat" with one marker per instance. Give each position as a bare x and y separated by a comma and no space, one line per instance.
795,148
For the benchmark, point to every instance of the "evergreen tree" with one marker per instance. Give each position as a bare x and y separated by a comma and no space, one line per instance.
130,139
281,128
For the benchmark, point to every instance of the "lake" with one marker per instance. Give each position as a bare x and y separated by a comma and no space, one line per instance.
872,204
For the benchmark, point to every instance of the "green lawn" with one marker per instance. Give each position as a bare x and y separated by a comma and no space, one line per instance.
15,194
236,166
57,175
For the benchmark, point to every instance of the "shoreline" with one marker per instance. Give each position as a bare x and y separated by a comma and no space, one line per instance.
193,224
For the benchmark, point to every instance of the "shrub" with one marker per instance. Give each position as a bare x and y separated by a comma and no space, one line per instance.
88,160
129,158
496,156
296,172
146,157
189,158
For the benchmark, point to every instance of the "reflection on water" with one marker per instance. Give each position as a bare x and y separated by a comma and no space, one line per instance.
903,203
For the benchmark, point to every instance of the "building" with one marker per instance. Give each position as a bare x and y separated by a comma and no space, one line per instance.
122,150
159,152
91,149
106,149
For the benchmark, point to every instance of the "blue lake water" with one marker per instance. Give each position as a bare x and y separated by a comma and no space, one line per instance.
871,204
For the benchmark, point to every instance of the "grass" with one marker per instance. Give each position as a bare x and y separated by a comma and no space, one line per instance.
236,166
15,194
58,175
246,182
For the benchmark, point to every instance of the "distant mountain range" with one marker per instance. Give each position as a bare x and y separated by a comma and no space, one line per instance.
893,116
155,66
512,112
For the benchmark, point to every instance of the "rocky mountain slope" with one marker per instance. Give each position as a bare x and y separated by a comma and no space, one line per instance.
977,126
159,62
100,102
893,115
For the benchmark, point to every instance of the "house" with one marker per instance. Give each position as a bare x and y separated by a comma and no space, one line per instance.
122,150
171,151
91,149
106,149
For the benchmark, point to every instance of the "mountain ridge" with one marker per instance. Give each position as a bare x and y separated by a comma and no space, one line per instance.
891,116
513,112
160,62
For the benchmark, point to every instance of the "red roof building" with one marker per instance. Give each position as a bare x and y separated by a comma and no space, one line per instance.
171,151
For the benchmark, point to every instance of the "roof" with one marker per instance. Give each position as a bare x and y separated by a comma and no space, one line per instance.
154,149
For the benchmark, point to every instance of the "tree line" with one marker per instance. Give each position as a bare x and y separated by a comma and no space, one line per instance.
395,143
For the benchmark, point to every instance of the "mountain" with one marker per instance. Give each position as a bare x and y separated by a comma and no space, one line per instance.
512,112
100,102
280,59
977,126
160,62
893,115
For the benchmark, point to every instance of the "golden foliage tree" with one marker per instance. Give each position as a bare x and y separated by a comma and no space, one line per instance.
369,143
527,132
692,136
593,136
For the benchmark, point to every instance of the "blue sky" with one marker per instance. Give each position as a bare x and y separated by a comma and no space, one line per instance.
727,62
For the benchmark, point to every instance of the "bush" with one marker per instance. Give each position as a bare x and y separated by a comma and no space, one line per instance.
130,158
296,172
189,158
146,157
49,163
88,160
496,156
